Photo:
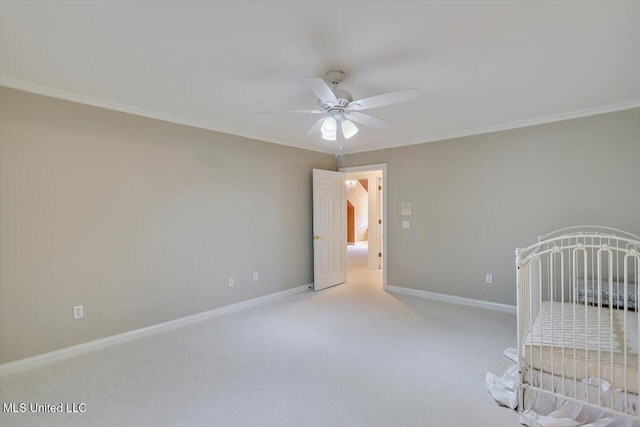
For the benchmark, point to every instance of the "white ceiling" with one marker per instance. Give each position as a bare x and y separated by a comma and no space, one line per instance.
478,66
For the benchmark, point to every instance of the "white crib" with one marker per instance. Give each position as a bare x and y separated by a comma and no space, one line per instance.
577,314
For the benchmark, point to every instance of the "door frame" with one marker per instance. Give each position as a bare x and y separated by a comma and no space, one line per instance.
385,216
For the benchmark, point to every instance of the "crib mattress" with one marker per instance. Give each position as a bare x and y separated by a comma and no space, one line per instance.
544,341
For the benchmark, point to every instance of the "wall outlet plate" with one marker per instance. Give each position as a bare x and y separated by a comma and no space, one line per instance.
231,283
489,278
78,312
255,277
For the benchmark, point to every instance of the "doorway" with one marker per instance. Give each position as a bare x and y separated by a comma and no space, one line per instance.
366,225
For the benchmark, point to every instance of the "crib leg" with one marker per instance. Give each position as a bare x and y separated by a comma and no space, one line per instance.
520,407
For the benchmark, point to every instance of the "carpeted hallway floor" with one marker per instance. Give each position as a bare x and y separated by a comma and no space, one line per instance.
352,355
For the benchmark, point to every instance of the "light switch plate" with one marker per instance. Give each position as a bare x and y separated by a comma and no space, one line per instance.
405,224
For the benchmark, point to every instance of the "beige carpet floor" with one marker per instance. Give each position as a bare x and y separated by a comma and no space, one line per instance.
352,355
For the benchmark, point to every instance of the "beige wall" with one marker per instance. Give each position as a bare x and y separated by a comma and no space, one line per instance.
142,221
476,199
139,220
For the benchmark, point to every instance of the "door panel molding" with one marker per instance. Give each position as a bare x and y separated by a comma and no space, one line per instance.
329,229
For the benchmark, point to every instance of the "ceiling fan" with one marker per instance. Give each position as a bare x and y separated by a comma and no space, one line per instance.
341,111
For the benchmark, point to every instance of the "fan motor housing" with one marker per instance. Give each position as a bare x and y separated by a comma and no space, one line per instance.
334,78
343,96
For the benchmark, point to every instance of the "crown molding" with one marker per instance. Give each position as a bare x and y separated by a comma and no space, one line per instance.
610,108
26,86
66,95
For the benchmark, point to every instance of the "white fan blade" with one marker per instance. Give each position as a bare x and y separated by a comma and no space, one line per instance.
291,112
321,89
316,128
384,99
367,120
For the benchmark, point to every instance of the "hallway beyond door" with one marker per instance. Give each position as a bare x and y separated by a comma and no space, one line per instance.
358,272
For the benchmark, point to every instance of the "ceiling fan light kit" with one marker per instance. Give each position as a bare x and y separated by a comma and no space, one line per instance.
341,111
329,128
349,128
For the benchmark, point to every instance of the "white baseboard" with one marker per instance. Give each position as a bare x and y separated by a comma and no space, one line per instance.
68,352
505,308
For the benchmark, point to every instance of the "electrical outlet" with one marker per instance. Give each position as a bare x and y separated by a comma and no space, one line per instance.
489,278
78,312
231,281
255,277
405,224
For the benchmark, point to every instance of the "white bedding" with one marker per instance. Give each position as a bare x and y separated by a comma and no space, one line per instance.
544,341
536,402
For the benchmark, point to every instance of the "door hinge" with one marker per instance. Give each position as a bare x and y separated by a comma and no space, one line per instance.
379,187
379,221
379,254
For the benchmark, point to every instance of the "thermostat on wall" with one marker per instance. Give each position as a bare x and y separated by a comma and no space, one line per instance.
406,208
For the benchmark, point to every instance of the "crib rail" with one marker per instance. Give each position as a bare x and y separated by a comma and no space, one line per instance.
578,321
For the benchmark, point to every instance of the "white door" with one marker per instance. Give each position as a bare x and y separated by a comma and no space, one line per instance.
329,229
